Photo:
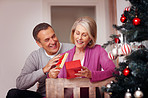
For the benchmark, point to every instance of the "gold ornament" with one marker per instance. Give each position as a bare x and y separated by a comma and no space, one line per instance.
109,84
138,93
128,94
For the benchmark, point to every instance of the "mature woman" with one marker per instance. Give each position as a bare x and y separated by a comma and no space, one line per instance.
92,56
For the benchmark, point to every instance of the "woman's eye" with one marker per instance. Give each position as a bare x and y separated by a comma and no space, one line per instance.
77,33
84,35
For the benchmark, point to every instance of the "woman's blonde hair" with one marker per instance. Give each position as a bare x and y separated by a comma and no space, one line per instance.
90,26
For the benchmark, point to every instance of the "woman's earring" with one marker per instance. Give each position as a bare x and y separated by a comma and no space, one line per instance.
90,42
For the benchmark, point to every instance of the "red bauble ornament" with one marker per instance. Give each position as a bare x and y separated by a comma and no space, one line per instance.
126,71
126,49
123,19
127,8
136,21
117,40
111,56
141,46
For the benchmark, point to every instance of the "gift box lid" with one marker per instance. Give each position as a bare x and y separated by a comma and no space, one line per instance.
62,60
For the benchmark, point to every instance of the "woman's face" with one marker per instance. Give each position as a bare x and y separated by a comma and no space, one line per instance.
81,37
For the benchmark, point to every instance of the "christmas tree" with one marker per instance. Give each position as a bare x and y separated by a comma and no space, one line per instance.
132,80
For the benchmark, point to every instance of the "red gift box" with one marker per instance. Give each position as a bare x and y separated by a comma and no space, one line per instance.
72,68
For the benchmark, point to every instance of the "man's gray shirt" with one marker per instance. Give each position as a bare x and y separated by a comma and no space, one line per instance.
32,71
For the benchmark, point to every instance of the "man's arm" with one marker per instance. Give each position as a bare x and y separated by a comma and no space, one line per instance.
30,73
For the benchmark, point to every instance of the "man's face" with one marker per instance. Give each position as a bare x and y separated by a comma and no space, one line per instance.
48,41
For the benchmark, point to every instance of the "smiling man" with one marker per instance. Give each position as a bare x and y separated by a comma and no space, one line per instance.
39,63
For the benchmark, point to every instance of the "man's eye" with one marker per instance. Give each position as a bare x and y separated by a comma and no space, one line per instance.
53,36
46,40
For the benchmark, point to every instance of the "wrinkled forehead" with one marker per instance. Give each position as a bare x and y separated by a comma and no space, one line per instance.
46,33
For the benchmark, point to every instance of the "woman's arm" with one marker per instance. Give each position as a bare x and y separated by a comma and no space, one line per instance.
105,63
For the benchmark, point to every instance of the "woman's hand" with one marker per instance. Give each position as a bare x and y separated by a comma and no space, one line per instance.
53,73
85,72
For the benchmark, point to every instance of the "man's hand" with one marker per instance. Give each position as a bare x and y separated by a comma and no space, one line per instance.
85,72
51,63
53,73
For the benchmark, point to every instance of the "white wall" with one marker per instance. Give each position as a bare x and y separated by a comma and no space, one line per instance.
17,19
101,11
